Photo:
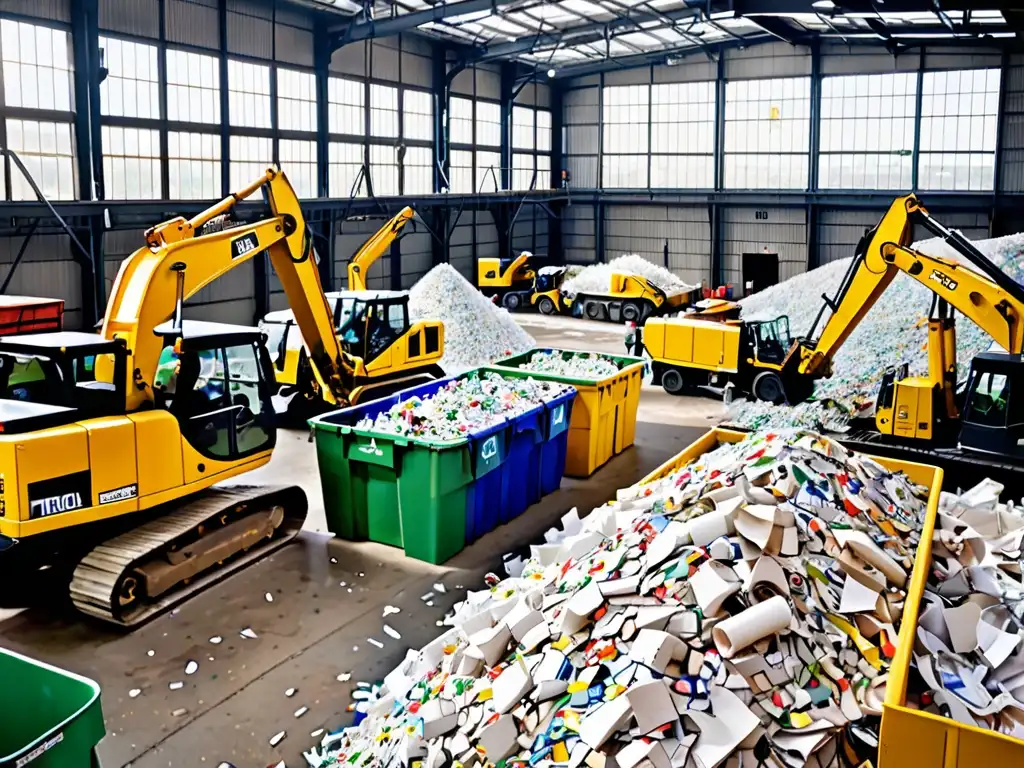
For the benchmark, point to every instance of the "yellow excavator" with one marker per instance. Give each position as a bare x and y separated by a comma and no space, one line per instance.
372,324
762,359
374,248
110,442
511,280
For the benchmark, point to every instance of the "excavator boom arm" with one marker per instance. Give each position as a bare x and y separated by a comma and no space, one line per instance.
976,296
374,248
868,277
979,289
145,291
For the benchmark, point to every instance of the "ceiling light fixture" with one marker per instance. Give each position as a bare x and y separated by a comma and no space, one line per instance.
825,5
551,73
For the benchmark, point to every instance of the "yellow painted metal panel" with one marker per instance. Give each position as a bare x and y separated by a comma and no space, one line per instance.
158,438
112,458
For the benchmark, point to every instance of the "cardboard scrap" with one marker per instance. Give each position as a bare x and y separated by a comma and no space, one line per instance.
737,611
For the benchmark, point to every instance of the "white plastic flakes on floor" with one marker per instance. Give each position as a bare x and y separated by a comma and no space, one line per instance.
743,606
894,331
476,332
595,278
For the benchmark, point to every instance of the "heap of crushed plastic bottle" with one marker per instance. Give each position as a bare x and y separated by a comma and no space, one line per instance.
476,332
595,278
579,365
893,332
462,406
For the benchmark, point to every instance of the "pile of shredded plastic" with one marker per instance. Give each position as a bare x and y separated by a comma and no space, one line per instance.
893,332
740,610
596,277
580,365
463,406
476,332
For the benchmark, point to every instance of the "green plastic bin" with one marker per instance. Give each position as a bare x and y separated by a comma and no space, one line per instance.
49,718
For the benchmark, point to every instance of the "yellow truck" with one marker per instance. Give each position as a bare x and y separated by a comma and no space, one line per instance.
694,351
511,280
629,298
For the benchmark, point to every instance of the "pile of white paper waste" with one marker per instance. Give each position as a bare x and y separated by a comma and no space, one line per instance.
476,332
971,622
893,332
743,606
596,277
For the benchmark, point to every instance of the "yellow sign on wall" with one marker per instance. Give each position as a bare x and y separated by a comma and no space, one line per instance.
774,113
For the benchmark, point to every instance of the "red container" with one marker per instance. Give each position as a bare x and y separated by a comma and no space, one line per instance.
30,314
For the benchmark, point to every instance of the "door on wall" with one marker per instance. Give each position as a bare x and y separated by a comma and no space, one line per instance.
760,270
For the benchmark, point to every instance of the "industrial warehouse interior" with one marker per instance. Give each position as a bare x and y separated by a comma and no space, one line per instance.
511,383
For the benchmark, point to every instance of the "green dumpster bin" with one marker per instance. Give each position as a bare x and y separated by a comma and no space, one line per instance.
49,718
429,497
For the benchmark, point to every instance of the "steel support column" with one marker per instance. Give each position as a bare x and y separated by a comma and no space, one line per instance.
225,124
914,178
508,95
86,56
321,64
715,229
997,177
813,249
719,137
815,117
599,257
556,246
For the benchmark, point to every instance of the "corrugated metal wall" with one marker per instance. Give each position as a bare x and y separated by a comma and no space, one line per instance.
351,238
1012,172
975,226
46,269
752,230
648,230
530,231
461,249
770,60
839,231
417,257
579,243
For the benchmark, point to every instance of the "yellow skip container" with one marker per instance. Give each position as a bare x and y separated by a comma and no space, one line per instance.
604,413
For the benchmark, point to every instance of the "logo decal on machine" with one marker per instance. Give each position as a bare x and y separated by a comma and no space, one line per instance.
119,494
244,245
943,279
59,494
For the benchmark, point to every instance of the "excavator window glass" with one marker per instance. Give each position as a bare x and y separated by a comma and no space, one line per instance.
772,339
220,397
988,399
277,333
69,379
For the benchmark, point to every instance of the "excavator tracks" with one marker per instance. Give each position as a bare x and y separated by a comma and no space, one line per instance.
130,578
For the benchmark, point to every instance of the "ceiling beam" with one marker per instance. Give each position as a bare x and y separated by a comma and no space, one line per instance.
779,28
654,57
369,28
581,33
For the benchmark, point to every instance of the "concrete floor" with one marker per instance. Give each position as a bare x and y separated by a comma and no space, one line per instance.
328,600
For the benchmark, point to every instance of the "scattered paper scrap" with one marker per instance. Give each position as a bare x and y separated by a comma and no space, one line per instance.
277,738
191,667
696,619
392,632
248,633
177,685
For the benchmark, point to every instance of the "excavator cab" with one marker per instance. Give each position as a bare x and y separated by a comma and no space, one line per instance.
215,379
771,339
993,412
369,322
